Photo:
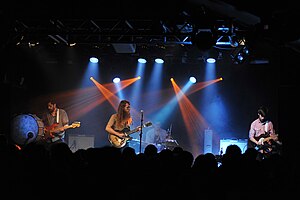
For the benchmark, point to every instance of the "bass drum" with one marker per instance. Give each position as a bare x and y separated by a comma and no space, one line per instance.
25,128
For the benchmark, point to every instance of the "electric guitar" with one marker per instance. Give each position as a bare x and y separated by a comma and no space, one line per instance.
51,131
121,142
265,143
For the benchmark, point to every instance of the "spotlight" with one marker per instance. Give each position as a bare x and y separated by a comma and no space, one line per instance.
116,80
142,60
159,60
239,54
94,60
193,79
210,60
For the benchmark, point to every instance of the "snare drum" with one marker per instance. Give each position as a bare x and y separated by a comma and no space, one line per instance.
25,128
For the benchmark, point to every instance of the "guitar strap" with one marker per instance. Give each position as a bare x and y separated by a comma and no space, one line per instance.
60,135
266,126
57,116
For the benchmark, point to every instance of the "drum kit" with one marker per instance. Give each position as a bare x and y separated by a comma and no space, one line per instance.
168,143
26,128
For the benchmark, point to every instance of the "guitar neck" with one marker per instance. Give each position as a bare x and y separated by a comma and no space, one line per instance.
67,127
137,128
132,131
61,128
269,138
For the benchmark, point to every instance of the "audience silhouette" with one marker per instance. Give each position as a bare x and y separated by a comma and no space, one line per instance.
168,173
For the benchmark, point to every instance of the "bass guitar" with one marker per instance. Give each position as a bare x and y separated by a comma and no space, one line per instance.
52,131
121,142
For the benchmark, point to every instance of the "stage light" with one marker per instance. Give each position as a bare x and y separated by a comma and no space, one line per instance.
159,60
239,54
94,60
193,79
116,80
142,60
210,60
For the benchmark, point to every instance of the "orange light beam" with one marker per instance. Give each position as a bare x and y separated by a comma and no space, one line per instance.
123,84
193,120
110,96
198,86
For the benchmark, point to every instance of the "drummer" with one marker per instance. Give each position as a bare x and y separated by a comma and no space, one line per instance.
156,135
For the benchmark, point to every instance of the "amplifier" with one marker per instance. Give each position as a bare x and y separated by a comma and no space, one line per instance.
76,142
242,143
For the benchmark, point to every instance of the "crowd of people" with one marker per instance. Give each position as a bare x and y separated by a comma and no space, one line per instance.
109,170
48,164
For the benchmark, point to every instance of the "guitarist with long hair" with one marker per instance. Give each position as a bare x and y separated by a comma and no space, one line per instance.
119,123
262,133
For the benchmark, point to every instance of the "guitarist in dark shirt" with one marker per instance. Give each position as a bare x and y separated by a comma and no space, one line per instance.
55,121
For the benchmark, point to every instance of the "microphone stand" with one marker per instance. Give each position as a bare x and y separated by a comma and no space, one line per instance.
141,131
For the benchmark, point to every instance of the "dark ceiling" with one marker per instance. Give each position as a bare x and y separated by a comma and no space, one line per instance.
151,25
146,17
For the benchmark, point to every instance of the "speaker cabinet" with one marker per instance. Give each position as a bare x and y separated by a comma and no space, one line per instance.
76,142
242,143
208,138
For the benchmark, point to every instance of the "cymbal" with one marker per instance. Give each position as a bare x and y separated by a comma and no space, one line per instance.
170,142
137,140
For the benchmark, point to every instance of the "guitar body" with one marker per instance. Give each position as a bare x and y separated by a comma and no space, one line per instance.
266,146
121,142
54,130
49,132
117,141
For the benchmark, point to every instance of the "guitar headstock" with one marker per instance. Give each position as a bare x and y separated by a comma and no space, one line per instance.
75,124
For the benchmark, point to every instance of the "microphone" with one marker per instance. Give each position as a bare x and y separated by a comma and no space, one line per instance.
142,114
